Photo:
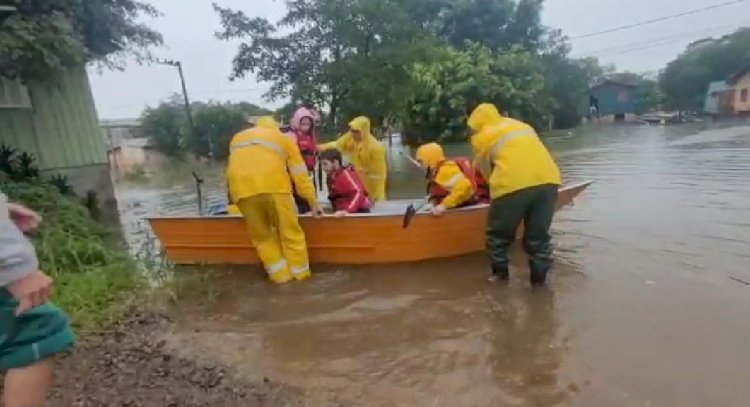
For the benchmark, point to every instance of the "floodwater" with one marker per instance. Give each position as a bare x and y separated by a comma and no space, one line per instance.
649,303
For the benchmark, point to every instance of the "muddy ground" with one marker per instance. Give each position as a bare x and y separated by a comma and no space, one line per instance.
131,366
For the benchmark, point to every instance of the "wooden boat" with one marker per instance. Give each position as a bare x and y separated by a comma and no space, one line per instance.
372,238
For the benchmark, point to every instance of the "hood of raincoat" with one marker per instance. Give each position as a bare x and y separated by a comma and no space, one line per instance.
484,115
362,125
300,114
267,122
430,154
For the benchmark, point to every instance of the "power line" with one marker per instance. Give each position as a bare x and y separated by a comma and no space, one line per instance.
659,19
653,42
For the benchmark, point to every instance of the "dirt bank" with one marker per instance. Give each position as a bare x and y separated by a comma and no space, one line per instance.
130,366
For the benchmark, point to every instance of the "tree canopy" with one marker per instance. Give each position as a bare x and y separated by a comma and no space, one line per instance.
685,80
419,63
44,37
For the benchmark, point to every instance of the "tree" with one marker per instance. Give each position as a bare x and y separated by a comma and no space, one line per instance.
333,53
167,127
164,125
44,37
451,87
685,80
215,123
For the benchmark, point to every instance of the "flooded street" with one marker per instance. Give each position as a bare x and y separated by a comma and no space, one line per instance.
647,306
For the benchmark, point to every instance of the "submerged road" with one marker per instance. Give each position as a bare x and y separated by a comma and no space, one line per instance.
648,304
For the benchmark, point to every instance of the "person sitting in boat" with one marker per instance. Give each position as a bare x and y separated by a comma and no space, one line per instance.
346,191
450,183
263,163
365,153
523,186
302,131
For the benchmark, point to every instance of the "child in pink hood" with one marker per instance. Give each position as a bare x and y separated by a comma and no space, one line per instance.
303,132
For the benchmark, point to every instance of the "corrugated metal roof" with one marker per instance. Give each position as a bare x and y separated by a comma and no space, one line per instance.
121,123
718,86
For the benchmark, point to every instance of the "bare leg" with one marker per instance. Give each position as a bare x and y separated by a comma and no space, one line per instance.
28,386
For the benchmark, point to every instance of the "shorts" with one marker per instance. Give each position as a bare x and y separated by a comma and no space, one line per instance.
32,336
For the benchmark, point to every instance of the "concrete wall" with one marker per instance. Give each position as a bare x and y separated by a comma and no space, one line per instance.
61,129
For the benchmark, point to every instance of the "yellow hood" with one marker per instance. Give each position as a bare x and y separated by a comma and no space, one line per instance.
430,154
267,122
362,125
484,115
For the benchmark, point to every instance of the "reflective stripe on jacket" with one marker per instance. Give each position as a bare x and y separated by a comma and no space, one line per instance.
346,191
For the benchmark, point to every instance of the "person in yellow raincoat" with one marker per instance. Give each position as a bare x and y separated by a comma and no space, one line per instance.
261,162
523,186
448,186
365,153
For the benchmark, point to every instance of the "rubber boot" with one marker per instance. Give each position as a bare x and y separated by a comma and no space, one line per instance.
537,276
499,274
281,277
303,276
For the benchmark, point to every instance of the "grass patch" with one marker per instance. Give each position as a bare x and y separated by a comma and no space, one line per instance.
95,278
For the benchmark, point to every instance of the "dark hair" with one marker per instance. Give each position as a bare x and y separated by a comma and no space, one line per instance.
332,155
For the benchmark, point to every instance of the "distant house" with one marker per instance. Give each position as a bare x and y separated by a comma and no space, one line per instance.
719,99
118,131
611,100
740,82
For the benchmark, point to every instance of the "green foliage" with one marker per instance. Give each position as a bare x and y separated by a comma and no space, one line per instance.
417,63
94,277
60,182
164,126
216,124
685,80
167,127
333,53
449,89
45,37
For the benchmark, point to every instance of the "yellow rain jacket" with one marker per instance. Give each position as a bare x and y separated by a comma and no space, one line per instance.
448,175
510,151
261,161
367,157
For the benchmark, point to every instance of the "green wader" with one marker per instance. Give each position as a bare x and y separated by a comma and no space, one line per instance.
32,336
535,207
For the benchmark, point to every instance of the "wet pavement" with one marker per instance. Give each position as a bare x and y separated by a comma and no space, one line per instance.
646,307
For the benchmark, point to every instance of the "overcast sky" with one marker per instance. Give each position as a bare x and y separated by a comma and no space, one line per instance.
188,27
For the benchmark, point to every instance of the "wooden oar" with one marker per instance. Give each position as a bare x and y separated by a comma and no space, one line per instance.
198,182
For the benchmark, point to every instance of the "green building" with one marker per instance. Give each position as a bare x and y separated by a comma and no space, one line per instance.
56,121
612,100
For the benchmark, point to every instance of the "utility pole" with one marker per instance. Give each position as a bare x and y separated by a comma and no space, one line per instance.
178,65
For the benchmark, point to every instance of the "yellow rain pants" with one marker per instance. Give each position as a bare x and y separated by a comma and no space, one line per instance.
277,235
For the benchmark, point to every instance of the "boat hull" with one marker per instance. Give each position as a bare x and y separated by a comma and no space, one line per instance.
358,239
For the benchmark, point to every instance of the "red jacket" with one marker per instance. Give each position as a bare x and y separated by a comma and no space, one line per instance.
347,192
307,143
480,186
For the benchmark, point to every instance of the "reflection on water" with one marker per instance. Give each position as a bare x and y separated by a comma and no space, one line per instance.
642,308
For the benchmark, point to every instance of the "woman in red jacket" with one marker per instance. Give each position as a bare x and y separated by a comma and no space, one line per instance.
346,191
303,133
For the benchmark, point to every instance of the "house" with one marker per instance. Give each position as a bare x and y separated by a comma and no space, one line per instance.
56,121
120,130
719,99
740,82
611,100
135,155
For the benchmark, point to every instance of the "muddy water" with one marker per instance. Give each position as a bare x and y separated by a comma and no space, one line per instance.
646,306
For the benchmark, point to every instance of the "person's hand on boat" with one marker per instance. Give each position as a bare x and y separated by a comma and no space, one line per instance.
340,214
438,210
317,211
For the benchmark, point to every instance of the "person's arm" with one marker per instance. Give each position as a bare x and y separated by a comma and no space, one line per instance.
338,144
452,179
303,185
353,189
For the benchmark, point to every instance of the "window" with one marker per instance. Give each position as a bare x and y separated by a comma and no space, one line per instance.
14,95
743,95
